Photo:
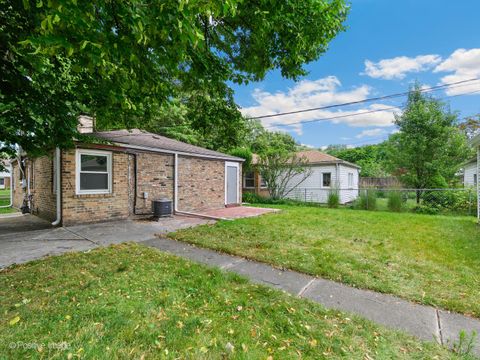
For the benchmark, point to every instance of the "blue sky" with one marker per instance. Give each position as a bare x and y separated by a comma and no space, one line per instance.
432,41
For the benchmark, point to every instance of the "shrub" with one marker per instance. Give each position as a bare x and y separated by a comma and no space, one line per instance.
367,200
333,199
395,201
252,198
429,209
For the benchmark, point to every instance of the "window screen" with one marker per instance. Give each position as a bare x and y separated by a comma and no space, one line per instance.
250,179
94,173
326,179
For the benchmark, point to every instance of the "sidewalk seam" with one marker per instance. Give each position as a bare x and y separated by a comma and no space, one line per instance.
305,288
439,326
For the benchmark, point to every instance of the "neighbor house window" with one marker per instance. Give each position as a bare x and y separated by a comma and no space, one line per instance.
263,183
326,179
474,179
350,180
94,172
249,180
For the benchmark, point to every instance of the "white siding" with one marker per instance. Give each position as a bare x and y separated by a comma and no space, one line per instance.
468,175
348,193
312,190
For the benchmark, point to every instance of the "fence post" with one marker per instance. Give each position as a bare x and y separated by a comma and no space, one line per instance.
469,202
305,196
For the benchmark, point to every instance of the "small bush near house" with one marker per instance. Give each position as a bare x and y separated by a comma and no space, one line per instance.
252,198
333,199
429,209
395,201
367,200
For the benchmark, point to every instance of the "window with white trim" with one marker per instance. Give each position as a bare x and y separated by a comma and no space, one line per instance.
326,179
2,181
94,172
249,180
350,180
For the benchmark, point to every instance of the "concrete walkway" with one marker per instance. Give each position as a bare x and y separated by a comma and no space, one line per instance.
424,322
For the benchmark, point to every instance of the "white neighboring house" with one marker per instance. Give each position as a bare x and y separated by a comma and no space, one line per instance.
328,174
4,179
475,142
470,176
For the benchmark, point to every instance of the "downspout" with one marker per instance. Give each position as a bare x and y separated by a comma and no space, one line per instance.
175,196
11,189
58,188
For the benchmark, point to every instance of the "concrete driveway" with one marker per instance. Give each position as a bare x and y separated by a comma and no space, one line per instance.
25,237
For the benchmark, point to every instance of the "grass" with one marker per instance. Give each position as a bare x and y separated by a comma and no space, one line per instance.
433,260
133,302
4,201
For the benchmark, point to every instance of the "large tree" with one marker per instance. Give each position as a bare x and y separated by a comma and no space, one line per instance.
429,148
122,61
371,158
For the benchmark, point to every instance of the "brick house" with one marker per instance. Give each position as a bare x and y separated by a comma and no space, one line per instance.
121,173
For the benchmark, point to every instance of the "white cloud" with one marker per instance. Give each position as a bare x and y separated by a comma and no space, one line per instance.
398,67
370,133
317,93
463,64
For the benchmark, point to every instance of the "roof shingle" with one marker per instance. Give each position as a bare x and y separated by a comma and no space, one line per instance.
136,137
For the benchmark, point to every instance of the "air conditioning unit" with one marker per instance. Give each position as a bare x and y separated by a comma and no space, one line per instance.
162,208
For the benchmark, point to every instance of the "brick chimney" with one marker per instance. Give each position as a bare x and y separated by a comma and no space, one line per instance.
86,124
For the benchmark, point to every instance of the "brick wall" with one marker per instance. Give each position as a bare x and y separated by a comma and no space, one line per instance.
99,207
44,199
201,184
155,173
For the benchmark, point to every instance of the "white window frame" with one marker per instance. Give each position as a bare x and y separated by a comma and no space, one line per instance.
323,173
245,180
237,165
78,164
351,176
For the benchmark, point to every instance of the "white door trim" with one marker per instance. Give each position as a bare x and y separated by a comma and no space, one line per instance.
237,165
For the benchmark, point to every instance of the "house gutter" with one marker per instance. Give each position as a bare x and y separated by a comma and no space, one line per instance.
58,187
175,196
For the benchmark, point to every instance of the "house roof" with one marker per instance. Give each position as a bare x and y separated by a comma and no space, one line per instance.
140,139
475,141
314,157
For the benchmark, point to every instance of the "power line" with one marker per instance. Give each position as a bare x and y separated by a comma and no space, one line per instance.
433,88
359,113
387,135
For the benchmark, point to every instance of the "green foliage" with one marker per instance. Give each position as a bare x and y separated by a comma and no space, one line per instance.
395,201
333,200
245,154
279,168
428,209
429,148
367,200
123,61
371,158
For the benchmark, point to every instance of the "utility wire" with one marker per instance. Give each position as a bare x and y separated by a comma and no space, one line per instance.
433,88
358,113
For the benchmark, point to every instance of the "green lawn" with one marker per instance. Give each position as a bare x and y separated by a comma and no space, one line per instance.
133,302
5,200
428,259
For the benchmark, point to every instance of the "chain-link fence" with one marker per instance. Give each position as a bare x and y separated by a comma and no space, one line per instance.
455,201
